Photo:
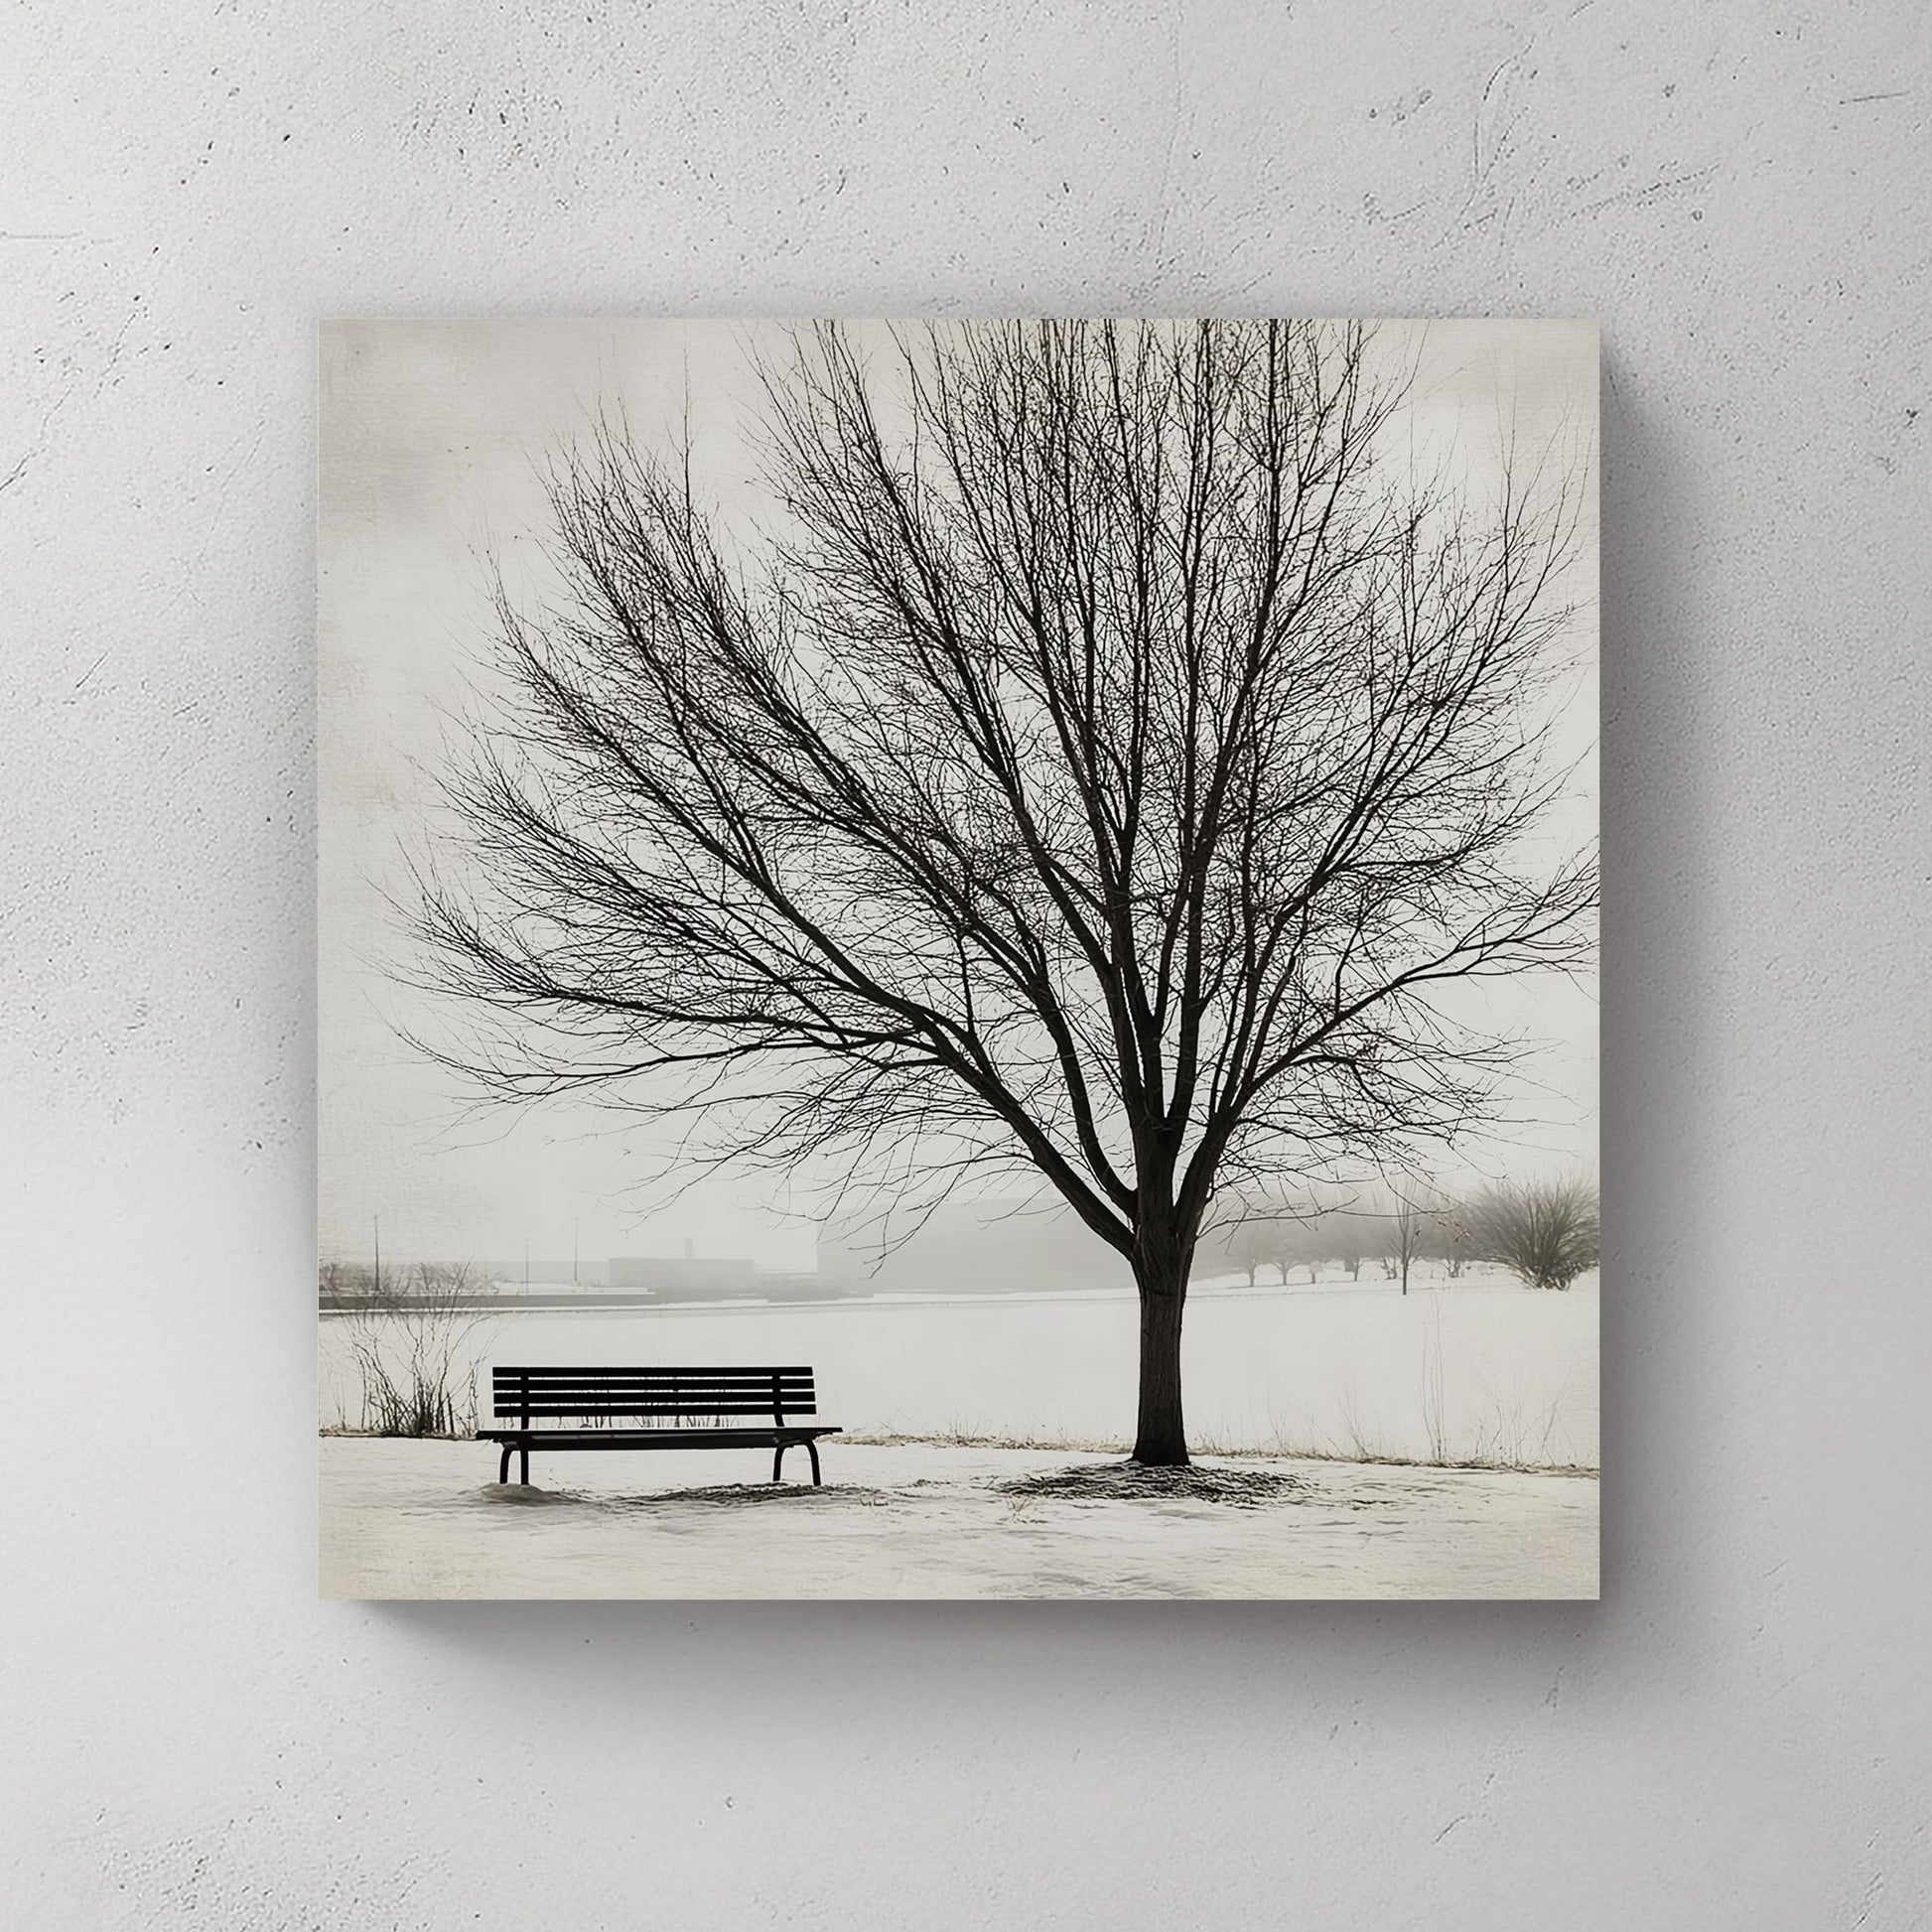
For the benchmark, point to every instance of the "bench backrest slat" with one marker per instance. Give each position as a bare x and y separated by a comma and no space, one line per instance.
547,1393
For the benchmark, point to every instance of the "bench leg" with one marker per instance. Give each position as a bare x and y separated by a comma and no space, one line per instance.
503,1467
524,1457
779,1462
811,1450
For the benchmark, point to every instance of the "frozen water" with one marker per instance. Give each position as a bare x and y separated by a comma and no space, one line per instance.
1476,1370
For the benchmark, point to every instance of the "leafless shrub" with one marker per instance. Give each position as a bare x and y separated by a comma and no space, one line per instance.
1544,1231
409,1340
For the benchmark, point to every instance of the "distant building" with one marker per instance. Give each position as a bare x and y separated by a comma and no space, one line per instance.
992,1247
507,1276
685,1278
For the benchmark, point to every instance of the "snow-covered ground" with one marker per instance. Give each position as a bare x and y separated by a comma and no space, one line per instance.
1481,1369
426,1519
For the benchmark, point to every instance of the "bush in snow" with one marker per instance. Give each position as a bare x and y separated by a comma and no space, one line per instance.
407,1343
1545,1231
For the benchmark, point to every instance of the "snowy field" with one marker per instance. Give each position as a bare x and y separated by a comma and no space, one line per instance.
1474,1371
426,1519
1479,1371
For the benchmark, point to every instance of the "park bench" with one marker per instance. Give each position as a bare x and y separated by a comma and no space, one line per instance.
671,1408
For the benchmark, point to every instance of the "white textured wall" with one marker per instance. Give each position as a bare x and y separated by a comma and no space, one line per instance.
1739,1736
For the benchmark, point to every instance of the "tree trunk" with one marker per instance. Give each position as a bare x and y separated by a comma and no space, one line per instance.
1160,1437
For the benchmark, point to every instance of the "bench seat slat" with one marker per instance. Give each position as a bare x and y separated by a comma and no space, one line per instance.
584,1374
656,1405
728,1391
651,1394
650,1439
649,1374
507,1395
711,1384
652,1399
693,1373
697,1411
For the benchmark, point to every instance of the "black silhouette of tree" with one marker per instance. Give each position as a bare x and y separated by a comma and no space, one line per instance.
1095,768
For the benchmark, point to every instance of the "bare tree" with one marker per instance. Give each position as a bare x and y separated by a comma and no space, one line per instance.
1093,770
1446,1236
1251,1246
1294,1242
1544,1231
1349,1238
1405,1231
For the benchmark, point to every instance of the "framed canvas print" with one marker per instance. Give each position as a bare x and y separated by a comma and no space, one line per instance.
957,960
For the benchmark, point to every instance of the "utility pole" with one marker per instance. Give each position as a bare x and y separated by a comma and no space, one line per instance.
379,1254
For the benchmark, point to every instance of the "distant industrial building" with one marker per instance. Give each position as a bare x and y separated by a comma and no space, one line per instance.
991,1247
686,1277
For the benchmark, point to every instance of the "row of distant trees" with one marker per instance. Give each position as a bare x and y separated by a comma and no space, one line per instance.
1544,1231
415,1282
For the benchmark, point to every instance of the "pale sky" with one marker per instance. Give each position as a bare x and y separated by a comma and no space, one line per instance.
431,438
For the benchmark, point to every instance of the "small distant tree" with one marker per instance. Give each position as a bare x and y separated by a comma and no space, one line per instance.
1543,1231
1406,1228
1291,1244
1346,1238
1444,1238
349,1281
1251,1247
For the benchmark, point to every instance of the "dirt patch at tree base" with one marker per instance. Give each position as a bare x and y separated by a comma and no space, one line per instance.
1137,1482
